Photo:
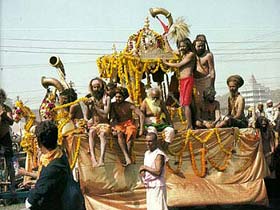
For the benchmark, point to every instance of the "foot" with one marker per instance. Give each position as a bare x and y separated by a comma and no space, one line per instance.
128,162
101,164
94,162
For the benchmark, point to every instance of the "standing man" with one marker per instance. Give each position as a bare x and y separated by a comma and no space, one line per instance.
271,113
97,111
122,122
54,173
152,174
236,105
260,111
157,117
205,70
186,66
6,120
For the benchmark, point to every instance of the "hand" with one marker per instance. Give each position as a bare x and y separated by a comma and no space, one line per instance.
22,171
164,60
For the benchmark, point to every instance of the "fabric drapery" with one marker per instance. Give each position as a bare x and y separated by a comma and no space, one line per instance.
115,187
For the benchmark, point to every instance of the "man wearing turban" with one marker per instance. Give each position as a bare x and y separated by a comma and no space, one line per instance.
236,105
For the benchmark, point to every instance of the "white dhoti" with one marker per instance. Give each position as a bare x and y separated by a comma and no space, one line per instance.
168,133
156,198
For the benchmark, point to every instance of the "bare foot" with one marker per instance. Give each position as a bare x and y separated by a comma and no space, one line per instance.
127,163
101,164
94,162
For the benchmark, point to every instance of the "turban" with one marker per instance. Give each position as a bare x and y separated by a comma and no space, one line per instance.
237,79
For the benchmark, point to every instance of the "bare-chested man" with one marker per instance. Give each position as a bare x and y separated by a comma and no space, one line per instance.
209,113
204,76
122,122
97,111
186,67
236,105
67,96
157,117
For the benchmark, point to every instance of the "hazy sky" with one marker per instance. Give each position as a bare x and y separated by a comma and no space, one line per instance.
243,36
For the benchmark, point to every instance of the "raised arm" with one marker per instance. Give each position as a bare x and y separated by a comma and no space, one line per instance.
186,60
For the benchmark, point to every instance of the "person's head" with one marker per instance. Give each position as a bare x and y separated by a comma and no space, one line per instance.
121,94
3,96
151,141
199,47
184,46
234,82
155,95
97,88
209,95
47,134
260,106
262,123
250,111
269,103
67,96
111,88
202,37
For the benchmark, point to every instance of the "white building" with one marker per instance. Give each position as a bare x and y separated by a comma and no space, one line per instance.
254,92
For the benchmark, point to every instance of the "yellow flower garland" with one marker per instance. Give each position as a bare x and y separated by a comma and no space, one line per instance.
76,154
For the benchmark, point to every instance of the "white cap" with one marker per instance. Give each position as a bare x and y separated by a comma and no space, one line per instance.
269,101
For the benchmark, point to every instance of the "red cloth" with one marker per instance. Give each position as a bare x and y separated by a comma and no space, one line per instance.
186,86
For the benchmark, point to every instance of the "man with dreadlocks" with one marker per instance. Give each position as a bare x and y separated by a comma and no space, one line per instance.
122,122
236,105
97,111
67,96
186,67
204,76
209,113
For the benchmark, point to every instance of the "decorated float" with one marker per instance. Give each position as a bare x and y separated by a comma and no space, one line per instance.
206,167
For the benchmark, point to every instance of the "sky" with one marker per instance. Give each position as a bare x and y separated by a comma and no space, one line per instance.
244,37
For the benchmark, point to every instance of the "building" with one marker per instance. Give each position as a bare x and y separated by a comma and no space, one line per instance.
254,92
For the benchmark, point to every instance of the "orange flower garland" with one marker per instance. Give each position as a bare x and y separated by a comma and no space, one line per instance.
202,161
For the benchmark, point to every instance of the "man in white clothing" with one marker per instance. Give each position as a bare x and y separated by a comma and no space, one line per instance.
152,174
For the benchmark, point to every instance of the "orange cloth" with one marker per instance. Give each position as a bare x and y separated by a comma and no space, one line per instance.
128,128
186,86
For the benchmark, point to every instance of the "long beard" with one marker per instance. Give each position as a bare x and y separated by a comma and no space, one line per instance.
200,52
98,94
154,105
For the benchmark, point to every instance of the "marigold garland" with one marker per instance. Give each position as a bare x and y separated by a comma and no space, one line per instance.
76,153
202,161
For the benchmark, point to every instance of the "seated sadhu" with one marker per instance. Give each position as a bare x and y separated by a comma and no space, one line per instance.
208,115
122,122
236,105
157,118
